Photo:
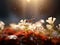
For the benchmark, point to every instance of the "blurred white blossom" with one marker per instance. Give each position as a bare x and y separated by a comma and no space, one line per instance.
12,37
49,26
39,26
51,20
42,21
14,26
58,27
2,24
22,22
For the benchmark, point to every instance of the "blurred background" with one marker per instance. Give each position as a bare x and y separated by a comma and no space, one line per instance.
11,11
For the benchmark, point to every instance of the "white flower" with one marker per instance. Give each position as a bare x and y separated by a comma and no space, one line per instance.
25,25
12,37
2,24
14,26
42,21
51,20
49,26
39,27
22,22
58,27
32,27
22,27
38,24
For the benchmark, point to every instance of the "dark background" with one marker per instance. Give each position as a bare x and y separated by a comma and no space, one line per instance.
16,15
